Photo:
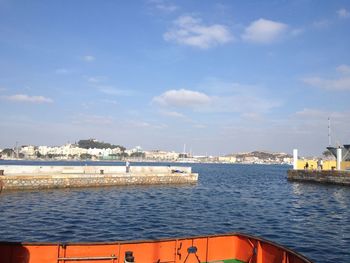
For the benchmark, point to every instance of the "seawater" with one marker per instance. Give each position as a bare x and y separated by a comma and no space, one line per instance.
313,219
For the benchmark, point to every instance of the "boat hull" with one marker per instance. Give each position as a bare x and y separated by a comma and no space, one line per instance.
228,248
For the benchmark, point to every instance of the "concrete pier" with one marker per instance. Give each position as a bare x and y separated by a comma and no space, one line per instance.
22,177
320,176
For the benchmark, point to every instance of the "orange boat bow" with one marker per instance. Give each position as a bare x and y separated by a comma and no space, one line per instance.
228,248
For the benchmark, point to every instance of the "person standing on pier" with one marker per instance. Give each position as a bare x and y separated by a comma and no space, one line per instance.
127,166
319,164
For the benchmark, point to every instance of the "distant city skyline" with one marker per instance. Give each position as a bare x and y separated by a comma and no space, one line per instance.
220,77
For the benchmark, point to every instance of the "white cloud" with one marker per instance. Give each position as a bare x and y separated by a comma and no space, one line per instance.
96,79
200,126
173,114
164,6
264,31
253,116
322,24
92,119
237,100
182,98
342,83
144,124
190,31
308,113
344,69
343,13
27,98
244,103
88,58
63,71
114,91
113,102
167,8
297,31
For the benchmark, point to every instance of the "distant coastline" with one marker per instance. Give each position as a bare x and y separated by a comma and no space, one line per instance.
210,161
93,150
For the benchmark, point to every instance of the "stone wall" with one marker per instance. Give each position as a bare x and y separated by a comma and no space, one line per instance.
59,177
46,169
329,177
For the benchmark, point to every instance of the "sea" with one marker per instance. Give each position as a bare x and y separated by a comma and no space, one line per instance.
312,219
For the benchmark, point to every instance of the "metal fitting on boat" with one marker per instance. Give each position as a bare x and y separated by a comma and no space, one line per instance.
129,258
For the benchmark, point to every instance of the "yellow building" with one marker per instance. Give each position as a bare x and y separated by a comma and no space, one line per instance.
326,165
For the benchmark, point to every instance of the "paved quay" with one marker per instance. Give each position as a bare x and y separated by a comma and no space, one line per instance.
23,177
320,176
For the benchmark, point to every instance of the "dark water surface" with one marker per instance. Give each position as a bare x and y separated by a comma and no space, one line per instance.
313,219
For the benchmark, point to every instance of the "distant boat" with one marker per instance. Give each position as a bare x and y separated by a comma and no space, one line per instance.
227,248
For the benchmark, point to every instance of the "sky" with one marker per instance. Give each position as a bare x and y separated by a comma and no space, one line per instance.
219,76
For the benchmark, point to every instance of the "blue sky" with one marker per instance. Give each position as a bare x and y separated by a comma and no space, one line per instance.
218,76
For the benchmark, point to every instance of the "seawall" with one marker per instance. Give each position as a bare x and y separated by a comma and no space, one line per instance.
320,176
23,177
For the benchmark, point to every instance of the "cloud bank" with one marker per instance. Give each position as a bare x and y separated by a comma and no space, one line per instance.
341,83
238,101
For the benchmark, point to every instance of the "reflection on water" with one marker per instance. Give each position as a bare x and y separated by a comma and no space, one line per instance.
341,197
310,218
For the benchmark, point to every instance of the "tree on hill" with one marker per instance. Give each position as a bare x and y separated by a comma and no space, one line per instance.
86,144
8,152
138,154
124,154
85,156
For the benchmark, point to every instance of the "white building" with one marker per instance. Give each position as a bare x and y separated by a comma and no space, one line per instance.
68,151
227,159
161,155
29,151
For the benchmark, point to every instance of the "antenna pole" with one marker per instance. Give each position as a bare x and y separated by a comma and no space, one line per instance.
16,152
329,131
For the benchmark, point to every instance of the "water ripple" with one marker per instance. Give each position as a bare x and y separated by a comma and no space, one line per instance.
310,218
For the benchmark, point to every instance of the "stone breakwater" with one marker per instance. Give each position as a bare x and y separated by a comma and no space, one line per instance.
327,177
21,177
